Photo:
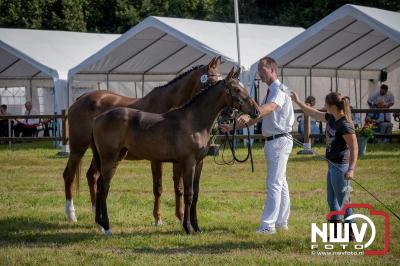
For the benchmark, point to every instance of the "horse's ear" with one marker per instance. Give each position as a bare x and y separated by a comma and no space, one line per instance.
211,64
217,62
230,74
236,74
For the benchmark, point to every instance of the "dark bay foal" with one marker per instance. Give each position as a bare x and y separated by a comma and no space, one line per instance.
160,100
180,136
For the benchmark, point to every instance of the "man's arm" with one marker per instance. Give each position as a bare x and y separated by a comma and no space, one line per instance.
264,109
241,122
391,100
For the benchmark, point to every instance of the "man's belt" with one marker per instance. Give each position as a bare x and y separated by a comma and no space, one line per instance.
277,136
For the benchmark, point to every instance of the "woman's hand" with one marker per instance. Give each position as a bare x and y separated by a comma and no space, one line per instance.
349,174
295,97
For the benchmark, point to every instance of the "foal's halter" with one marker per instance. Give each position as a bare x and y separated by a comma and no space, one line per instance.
240,100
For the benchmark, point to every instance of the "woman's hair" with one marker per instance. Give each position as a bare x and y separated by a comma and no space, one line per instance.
341,102
310,99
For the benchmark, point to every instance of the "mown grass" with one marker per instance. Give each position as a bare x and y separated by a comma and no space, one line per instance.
34,230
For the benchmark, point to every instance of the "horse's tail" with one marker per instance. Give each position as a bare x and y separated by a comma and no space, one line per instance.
77,176
96,155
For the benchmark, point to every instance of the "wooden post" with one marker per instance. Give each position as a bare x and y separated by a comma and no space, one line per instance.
307,141
9,132
64,127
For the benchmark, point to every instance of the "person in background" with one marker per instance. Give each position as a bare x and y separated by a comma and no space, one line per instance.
3,122
355,116
383,98
315,128
28,125
341,149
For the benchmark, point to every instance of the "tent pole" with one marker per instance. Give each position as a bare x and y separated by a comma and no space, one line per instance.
237,32
337,81
142,85
30,90
331,85
108,80
360,91
305,87
134,83
355,91
310,81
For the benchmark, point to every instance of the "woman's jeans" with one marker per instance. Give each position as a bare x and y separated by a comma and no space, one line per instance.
335,185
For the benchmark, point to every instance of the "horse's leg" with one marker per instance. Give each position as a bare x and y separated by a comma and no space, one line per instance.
156,169
103,185
188,174
91,177
196,189
178,186
98,204
70,172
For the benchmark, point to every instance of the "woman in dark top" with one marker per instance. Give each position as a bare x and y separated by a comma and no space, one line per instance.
341,149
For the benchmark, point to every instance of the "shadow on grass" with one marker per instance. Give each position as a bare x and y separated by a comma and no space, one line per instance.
26,231
277,244
35,232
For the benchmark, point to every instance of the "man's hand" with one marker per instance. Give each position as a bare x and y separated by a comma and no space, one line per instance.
242,121
349,175
225,128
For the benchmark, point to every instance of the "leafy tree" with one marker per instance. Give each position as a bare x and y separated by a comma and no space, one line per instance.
117,16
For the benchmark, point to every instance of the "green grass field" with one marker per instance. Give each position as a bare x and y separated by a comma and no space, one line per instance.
34,230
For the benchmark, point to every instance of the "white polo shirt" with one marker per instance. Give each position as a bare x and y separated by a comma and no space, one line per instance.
281,120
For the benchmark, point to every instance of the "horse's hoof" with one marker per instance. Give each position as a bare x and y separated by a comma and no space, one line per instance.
101,229
158,222
198,230
71,216
187,229
107,232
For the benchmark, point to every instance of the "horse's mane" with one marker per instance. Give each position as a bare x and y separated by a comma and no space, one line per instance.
197,95
184,74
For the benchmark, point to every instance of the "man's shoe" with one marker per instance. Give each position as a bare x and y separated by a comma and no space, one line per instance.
266,230
283,227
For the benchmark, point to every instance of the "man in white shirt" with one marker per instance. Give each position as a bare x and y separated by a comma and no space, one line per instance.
382,98
276,113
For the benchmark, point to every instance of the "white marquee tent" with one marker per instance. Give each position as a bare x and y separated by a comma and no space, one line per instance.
344,51
158,49
36,61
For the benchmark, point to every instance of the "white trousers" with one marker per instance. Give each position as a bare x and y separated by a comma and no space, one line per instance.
277,203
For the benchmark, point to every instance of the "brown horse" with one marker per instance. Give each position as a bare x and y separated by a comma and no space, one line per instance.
180,136
82,113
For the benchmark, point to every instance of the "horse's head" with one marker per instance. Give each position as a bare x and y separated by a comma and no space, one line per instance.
210,73
237,96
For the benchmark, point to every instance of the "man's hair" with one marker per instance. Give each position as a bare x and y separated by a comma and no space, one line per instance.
384,87
4,106
270,63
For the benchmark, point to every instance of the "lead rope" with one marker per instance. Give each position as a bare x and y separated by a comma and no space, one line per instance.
232,148
347,189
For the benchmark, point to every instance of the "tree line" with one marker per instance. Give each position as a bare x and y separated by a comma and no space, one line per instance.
117,16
